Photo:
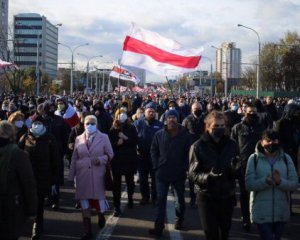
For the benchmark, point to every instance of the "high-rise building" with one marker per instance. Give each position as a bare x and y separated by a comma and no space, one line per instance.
3,29
36,41
228,61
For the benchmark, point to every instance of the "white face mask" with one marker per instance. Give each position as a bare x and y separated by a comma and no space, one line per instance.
122,117
91,128
37,129
19,124
171,108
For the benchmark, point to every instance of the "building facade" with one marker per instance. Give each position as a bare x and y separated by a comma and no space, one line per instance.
4,30
228,61
36,43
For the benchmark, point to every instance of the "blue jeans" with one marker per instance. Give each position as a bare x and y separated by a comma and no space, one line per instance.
271,231
162,188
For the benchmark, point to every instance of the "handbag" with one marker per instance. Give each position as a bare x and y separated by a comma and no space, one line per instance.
108,181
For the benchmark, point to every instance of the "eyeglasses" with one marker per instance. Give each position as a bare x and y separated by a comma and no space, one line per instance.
90,123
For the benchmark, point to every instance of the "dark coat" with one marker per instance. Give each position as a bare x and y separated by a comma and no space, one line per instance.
44,157
205,156
246,137
104,121
195,126
170,155
21,200
125,155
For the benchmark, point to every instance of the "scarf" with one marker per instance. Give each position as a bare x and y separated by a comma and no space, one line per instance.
5,157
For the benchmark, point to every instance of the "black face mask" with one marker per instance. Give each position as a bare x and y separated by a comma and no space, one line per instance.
198,112
218,133
4,141
252,118
272,147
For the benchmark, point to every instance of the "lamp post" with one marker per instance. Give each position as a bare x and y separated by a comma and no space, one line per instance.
258,59
88,66
226,74
72,50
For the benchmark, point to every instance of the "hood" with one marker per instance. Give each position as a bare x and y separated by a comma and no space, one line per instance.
259,150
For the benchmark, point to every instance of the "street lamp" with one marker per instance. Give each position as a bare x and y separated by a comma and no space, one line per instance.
88,66
72,62
258,59
226,74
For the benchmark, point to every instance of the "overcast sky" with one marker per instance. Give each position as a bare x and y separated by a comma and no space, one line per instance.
193,23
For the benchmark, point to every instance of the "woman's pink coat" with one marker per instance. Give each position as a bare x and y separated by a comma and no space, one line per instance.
90,177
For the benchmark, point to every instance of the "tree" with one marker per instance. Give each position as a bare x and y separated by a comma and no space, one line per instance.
248,81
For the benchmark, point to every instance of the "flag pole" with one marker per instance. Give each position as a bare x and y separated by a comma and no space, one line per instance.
170,86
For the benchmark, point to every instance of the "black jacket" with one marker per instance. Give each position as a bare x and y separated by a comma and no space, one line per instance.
44,157
246,137
21,196
170,154
125,155
222,158
195,126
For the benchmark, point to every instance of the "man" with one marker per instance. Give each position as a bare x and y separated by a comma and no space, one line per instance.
232,116
194,123
146,128
246,133
169,153
271,109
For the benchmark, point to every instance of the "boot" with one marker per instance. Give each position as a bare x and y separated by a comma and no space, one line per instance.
87,229
36,231
101,220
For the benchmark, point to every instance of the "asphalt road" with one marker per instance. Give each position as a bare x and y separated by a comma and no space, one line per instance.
134,223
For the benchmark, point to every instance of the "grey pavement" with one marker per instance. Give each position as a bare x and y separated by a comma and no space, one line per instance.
134,223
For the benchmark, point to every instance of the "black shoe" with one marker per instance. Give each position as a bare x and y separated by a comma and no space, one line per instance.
246,226
117,212
155,232
77,205
101,220
55,206
144,201
178,224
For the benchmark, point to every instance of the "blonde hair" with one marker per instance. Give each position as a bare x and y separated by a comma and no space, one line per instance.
14,116
7,130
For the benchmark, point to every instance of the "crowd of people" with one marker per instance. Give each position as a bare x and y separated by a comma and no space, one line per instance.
210,142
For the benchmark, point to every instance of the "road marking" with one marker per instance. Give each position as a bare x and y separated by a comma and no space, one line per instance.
174,234
111,221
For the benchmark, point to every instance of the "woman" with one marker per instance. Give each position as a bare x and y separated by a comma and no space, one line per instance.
92,151
123,136
17,119
214,164
270,176
139,114
43,154
16,183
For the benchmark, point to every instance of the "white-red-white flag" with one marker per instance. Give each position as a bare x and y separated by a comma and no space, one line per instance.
124,74
155,53
4,64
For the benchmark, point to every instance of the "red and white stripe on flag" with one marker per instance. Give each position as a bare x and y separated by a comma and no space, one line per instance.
155,53
124,74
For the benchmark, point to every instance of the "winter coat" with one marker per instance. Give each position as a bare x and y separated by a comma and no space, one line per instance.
222,158
21,196
170,155
44,157
194,125
270,203
146,132
90,177
246,137
125,156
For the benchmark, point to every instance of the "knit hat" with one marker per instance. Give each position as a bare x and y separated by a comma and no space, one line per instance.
172,112
151,105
